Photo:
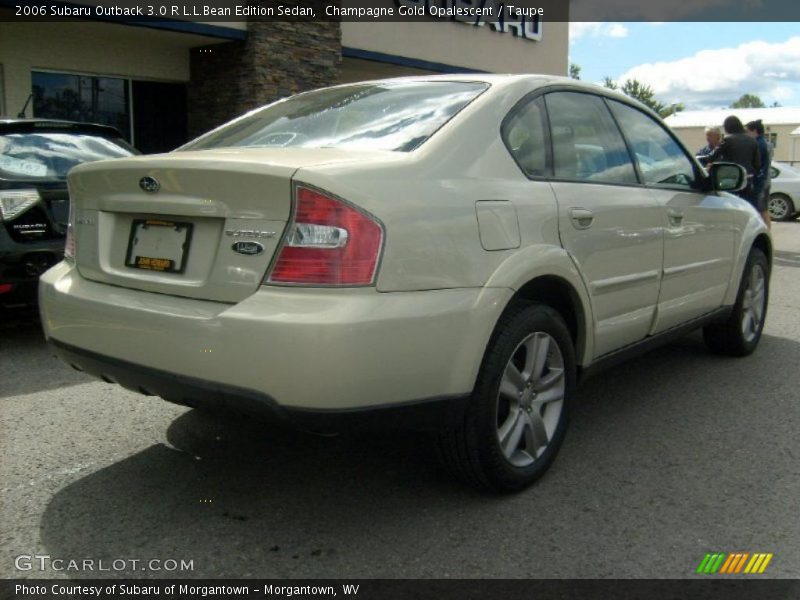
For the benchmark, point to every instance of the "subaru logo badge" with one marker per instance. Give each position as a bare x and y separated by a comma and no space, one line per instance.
149,185
248,248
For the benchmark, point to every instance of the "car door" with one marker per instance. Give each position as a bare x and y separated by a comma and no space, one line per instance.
699,238
609,223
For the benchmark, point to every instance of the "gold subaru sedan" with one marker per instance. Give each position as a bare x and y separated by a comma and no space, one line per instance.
451,253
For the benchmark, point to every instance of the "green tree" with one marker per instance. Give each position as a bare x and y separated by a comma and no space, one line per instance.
574,71
749,101
672,109
633,88
642,92
637,90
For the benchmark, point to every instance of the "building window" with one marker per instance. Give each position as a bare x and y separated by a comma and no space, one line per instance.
773,139
103,100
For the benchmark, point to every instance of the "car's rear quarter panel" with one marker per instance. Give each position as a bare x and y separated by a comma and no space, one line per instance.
427,202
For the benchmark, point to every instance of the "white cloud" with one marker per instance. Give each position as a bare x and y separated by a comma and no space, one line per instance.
618,30
578,30
712,78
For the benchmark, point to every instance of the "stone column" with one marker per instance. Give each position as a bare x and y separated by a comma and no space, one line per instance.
277,59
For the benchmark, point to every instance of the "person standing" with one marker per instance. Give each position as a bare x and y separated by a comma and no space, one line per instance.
761,180
713,139
738,147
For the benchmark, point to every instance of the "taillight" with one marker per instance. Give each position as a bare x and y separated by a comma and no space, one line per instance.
328,243
70,248
14,203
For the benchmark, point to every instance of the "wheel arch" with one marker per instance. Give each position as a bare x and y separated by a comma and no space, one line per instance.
547,274
763,243
755,235
559,295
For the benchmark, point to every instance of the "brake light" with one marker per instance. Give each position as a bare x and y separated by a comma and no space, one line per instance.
328,243
71,247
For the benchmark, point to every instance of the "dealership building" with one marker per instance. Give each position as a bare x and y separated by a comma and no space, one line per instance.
164,82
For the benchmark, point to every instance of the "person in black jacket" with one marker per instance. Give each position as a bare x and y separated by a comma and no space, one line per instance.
761,180
738,147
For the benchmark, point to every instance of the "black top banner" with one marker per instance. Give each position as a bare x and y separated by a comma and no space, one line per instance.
480,12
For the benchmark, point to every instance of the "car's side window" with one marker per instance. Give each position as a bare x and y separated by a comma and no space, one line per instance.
524,135
587,144
661,160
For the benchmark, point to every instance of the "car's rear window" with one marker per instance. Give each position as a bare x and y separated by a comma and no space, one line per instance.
396,116
46,155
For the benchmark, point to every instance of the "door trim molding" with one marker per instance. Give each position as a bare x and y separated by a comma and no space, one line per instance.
603,286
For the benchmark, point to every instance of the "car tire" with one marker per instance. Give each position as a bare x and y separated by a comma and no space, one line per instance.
740,333
781,208
524,391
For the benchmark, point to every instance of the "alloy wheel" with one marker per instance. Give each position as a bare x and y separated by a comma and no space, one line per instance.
778,208
530,399
753,303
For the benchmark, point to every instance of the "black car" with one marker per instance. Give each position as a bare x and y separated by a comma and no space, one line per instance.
35,156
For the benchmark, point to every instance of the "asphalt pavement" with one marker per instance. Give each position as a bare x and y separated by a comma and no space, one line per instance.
670,456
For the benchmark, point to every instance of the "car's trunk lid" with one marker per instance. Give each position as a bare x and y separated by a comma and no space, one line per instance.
197,224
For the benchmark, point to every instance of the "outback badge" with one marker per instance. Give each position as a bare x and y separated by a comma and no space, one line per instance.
248,248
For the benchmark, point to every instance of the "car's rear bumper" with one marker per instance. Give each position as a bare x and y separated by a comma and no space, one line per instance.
428,414
282,349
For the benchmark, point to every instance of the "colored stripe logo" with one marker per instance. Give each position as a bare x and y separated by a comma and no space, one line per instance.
734,563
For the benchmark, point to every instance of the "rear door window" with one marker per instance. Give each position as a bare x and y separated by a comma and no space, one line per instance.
587,144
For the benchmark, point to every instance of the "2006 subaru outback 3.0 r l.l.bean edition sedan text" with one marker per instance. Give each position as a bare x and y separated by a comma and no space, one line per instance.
448,252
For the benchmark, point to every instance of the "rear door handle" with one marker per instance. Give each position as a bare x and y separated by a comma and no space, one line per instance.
581,218
675,217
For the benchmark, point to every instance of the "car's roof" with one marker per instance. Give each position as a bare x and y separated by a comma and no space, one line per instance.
11,125
534,80
476,76
491,78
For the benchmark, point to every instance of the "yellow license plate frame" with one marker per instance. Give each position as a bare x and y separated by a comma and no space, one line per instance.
150,261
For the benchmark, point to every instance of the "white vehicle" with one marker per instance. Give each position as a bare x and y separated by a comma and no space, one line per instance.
784,195
452,253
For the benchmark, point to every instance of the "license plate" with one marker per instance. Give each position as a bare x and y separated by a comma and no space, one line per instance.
157,245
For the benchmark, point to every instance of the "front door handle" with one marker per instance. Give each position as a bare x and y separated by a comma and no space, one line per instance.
581,218
675,217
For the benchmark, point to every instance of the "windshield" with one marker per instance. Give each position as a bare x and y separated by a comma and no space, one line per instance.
45,155
395,116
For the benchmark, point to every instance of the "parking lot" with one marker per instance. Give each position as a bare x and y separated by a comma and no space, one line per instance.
670,456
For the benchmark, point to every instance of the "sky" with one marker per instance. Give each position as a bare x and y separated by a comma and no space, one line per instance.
702,65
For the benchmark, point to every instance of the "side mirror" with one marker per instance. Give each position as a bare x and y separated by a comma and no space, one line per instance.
727,177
